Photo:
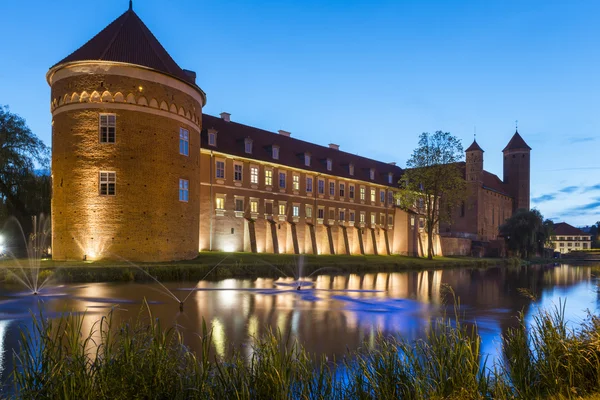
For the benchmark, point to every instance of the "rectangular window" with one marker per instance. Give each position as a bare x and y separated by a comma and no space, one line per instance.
309,185
342,215
382,196
332,188
320,213
254,206
321,186
372,218
331,213
237,172
254,175
372,195
390,220
351,169
390,198
381,219
352,216
281,209
282,177
329,164
362,217
308,211
108,128
362,193
220,170
183,190
239,204
295,211
342,190
268,177
351,191
275,152
390,178
220,203
307,160
248,146
372,174
212,138
269,208
296,182
184,142
108,183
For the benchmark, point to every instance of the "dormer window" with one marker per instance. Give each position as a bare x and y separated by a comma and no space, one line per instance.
372,174
351,169
390,178
248,145
275,152
212,138
307,159
329,164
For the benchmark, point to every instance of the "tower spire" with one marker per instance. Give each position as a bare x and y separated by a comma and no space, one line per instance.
516,125
130,5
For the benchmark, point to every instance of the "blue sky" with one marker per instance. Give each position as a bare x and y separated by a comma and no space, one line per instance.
368,75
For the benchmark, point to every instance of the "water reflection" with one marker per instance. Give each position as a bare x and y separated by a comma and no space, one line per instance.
335,314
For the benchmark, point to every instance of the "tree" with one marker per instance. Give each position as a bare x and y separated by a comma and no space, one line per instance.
594,230
526,232
24,193
433,175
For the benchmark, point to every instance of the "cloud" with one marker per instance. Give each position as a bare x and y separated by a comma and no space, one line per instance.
569,189
543,198
592,188
591,206
581,139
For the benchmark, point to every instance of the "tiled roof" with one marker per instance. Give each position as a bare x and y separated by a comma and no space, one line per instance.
128,40
516,142
474,146
562,228
231,137
490,181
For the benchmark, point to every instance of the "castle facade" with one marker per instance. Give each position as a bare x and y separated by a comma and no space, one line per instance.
140,173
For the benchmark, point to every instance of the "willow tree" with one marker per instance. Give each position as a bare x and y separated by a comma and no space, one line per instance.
433,176
22,191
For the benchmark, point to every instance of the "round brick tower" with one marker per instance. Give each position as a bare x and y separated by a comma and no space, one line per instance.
126,123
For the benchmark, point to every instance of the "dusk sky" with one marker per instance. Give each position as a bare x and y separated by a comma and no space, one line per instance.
367,75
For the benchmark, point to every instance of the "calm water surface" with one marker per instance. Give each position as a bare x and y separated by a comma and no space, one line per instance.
338,313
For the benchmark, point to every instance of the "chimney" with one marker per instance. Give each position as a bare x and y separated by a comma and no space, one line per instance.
392,163
334,146
284,133
225,116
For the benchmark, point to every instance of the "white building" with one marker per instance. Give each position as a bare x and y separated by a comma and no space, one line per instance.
567,238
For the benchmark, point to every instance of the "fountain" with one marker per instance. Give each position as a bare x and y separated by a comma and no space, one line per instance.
36,247
165,290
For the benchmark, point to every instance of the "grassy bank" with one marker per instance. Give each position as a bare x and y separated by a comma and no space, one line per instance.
241,265
58,359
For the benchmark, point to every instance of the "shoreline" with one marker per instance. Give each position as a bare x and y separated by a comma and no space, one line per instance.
215,266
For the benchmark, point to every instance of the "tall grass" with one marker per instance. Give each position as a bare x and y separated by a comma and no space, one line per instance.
142,360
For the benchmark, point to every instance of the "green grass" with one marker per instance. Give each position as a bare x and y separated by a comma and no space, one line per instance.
242,265
142,360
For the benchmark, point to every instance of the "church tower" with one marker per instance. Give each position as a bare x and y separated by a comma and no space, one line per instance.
517,170
126,122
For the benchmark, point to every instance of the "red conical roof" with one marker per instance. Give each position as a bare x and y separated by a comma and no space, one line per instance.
474,146
516,142
127,39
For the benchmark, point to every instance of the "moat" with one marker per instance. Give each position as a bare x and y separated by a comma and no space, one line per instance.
335,314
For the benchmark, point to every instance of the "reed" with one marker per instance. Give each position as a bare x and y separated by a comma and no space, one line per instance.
143,360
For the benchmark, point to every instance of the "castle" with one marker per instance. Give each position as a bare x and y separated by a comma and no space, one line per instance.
139,172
